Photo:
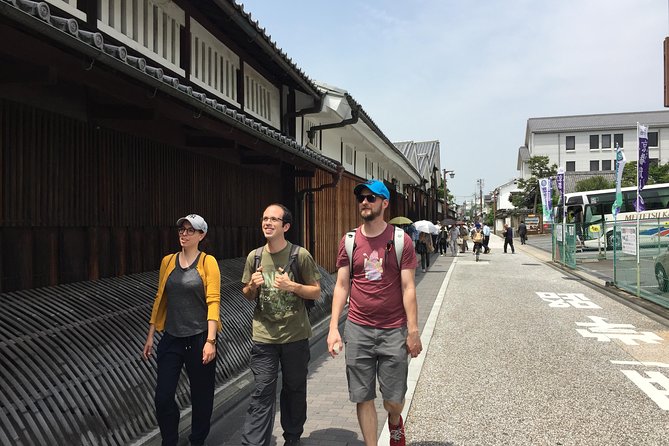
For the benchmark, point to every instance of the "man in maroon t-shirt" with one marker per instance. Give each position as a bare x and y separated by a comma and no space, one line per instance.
382,325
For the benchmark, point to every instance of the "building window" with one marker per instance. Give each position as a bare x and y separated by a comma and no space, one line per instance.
594,142
606,164
571,143
571,166
654,162
594,165
348,154
653,139
606,141
618,140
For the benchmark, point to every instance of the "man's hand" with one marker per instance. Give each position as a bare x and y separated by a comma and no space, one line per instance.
414,345
257,279
283,282
334,342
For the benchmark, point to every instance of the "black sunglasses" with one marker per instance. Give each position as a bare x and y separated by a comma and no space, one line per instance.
370,198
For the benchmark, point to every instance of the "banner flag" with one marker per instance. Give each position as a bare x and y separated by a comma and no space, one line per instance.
620,166
546,201
560,182
642,165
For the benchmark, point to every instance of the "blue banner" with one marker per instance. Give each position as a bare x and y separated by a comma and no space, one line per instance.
560,182
642,165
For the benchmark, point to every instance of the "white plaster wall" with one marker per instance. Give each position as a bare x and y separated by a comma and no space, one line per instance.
553,145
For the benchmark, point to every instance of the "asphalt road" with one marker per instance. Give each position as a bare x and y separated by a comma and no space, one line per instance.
522,354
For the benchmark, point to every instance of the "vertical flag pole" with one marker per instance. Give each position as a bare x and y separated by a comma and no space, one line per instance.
638,161
642,165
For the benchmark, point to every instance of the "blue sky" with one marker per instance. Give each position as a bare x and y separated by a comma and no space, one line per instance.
470,73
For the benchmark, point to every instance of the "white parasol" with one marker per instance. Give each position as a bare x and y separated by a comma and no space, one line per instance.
426,226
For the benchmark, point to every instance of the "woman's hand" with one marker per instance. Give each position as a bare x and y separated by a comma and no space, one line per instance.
148,345
208,353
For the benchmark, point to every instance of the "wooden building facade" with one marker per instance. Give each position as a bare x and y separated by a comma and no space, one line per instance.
117,118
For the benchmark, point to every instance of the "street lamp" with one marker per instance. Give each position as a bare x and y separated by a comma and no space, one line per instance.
452,172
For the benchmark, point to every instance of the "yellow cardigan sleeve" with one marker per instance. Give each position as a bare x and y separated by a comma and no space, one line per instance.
211,276
159,311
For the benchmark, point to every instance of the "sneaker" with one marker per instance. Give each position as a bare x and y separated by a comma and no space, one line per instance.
397,437
292,442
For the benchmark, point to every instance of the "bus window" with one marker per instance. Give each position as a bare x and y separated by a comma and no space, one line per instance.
594,215
652,200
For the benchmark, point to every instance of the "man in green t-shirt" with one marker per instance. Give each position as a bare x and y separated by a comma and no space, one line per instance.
281,331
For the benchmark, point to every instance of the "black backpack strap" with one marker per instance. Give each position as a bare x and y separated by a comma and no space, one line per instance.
257,259
294,267
256,264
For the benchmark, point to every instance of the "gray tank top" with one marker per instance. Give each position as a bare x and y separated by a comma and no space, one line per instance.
186,305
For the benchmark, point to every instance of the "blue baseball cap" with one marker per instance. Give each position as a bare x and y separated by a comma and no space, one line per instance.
375,186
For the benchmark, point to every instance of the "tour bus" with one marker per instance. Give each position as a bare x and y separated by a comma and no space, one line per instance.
589,208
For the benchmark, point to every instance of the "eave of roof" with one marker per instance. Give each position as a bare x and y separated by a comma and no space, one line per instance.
326,88
264,41
607,121
155,77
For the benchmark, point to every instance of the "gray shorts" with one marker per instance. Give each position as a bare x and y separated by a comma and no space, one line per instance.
372,352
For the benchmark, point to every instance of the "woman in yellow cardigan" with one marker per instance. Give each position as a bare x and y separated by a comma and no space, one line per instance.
187,308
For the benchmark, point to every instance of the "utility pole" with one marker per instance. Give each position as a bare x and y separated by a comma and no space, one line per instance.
452,172
481,196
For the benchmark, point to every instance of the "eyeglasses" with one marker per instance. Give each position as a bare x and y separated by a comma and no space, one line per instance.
271,219
370,198
188,231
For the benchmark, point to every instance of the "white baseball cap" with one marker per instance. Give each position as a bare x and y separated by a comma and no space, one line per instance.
196,222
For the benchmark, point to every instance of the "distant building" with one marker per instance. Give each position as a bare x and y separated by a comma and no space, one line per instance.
584,145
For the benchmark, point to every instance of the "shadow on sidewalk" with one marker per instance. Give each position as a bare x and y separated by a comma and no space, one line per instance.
333,435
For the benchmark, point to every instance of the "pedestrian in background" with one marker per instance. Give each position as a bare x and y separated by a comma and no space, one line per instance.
486,239
522,232
382,324
281,331
464,235
424,248
443,240
508,238
454,234
187,308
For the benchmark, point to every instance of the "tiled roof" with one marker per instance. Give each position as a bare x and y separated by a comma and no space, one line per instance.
427,152
597,122
272,46
422,154
66,30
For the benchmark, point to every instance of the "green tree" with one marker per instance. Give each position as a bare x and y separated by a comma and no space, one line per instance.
529,195
449,195
594,183
656,174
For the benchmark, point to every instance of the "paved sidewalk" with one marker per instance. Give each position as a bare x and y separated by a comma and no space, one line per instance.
331,417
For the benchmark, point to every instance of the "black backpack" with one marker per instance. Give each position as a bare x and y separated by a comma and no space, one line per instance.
291,266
